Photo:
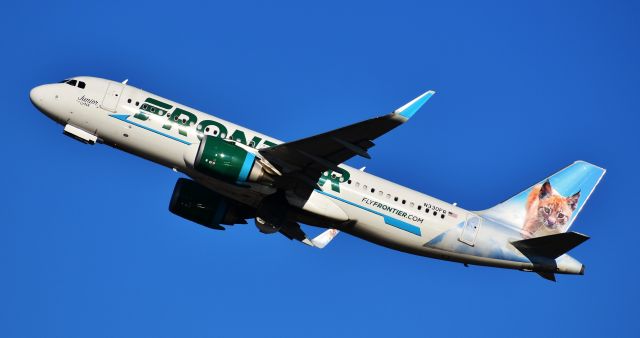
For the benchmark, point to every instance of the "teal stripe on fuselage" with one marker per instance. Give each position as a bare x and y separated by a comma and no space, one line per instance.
402,225
387,219
125,119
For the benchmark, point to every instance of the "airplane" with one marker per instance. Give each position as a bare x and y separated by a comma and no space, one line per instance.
237,174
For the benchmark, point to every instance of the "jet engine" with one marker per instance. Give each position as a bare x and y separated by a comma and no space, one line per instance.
227,161
198,204
272,213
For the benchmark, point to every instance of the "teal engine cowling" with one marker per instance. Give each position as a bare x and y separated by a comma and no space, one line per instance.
198,204
226,161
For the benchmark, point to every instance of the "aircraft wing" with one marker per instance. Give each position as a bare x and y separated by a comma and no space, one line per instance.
304,161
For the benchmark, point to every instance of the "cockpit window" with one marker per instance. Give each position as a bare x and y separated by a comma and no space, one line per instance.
75,83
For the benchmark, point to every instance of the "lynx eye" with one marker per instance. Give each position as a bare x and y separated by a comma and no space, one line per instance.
546,210
560,215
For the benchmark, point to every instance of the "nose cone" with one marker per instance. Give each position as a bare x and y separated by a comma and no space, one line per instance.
37,96
47,100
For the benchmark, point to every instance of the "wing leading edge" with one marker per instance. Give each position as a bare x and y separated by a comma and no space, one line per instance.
302,162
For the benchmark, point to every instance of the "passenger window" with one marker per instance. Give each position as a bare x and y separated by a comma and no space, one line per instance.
357,184
373,190
364,187
72,82
395,199
411,204
419,207
81,85
403,201
388,196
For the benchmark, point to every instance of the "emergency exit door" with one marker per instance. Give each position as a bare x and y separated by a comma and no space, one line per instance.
112,96
470,230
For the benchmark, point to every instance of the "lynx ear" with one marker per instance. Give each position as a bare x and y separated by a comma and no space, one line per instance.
545,190
573,200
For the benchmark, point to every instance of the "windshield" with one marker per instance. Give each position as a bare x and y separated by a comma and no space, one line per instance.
74,83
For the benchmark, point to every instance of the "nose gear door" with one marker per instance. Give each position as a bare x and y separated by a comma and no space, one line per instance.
112,96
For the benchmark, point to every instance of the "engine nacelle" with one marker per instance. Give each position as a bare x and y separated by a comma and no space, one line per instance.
198,204
272,213
226,161
266,227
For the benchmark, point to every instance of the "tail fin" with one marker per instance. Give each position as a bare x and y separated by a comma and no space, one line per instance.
552,205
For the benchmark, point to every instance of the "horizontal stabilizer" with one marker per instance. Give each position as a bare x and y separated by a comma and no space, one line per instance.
552,246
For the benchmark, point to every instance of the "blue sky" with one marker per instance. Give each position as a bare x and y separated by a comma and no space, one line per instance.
89,249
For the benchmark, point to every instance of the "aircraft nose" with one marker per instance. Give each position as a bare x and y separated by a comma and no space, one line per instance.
45,98
36,96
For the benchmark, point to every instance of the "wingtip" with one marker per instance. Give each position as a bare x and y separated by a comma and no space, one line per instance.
324,238
409,109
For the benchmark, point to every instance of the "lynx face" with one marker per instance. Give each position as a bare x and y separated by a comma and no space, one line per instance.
554,210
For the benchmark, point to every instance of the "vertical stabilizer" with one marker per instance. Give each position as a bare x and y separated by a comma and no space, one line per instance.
552,205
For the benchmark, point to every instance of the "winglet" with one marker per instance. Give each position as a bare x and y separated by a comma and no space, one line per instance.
323,239
412,107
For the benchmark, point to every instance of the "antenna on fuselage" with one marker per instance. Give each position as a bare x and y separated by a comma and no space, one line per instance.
125,81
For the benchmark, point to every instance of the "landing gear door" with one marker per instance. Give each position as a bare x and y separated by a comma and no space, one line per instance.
112,96
470,230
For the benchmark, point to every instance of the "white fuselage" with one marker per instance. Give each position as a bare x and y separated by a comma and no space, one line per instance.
378,210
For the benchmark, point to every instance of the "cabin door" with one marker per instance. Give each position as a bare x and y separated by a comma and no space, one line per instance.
470,230
112,96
